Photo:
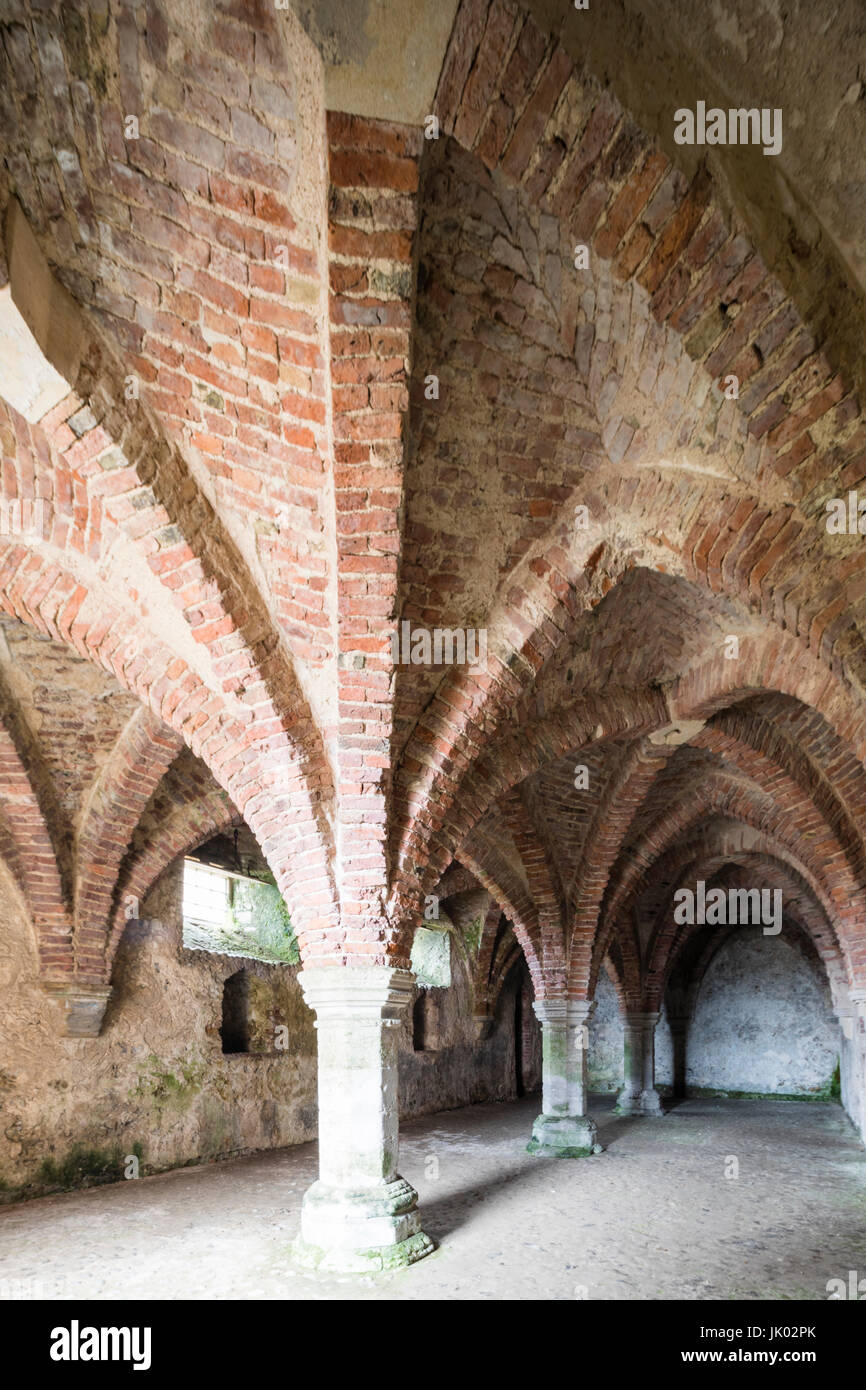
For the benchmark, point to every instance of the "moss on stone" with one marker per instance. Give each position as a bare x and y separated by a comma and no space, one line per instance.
431,957
81,1166
834,1085
711,1093
472,935
549,1151
159,1084
257,926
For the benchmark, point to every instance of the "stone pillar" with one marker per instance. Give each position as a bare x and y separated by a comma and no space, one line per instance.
857,1108
564,1129
849,1078
639,1095
360,1214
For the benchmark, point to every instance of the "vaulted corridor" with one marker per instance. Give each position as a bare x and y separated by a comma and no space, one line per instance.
432,661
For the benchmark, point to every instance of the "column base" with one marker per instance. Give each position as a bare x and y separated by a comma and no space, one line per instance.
564,1136
361,1231
646,1103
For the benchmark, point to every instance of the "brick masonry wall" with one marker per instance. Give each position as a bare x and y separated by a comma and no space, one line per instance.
235,549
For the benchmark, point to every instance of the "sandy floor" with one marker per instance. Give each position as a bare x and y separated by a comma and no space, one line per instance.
652,1217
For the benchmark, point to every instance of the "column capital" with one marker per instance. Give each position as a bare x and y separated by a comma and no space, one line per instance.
360,993
845,1009
551,1011
566,1013
857,996
83,1005
641,1020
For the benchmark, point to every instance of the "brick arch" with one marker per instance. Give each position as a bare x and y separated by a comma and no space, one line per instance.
543,890
469,708
191,826
738,845
775,663
491,775
775,779
139,486
35,856
779,666
621,797
619,194
137,764
248,758
508,93
209,266
504,964
806,915
217,596
624,954
666,843
496,875
793,797
484,962
716,795
705,692
807,750
767,858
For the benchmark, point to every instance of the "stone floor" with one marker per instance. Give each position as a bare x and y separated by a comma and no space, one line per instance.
653,1217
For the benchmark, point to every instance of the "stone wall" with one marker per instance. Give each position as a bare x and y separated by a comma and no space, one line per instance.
763,1020
763,1023
156,1084
604,1067
462,1070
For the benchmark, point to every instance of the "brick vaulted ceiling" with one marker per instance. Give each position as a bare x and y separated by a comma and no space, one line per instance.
238,262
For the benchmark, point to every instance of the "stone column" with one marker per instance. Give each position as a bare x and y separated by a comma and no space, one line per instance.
639,1095
857,998
564,1129
849,1076
360,1214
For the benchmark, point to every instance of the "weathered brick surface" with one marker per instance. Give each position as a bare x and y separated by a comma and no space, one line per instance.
97,610
236,549
641,215
373,166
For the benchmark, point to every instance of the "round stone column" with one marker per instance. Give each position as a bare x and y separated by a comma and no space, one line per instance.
639,1095
564,1129
360,1214
857,997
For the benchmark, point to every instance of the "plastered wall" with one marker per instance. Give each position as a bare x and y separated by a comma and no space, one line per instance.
763,1023
156,1085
